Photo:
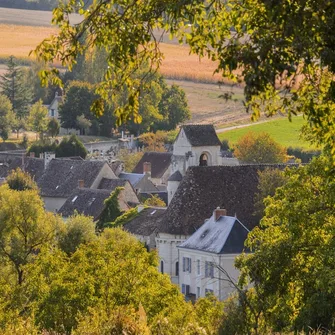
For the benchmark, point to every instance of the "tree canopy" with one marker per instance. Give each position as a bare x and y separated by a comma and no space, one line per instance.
259,148
282,50
292,260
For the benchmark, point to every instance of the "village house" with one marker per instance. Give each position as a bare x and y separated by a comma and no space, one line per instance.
207,257
140,182
90,202
62,176
157,165
145,225
201,190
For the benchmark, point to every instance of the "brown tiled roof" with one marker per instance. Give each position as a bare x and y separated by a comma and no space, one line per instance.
206,188
146,222
61,176
160,162
201,135
85,201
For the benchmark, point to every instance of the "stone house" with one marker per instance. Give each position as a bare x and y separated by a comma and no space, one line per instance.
157,165
62,176
214,245
145,225
90,202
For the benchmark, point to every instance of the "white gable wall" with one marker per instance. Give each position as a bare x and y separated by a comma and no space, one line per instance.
105,172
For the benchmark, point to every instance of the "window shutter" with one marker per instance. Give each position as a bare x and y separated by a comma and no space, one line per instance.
183,264
190,268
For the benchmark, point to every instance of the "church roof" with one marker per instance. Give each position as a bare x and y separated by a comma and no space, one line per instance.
204,188
201,135
224,236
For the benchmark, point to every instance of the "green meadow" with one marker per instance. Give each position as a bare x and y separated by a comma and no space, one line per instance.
281,130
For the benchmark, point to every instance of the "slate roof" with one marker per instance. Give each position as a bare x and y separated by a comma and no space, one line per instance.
111,184
224,236
160,162
146,222
85,201
61,176
201,135
33,166
205,188
176,176
133,178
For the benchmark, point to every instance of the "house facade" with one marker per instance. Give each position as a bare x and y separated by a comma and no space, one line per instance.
207,257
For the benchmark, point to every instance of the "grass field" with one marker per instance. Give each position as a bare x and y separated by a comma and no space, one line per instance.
281,130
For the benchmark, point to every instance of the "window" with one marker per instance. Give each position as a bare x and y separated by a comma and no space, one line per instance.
185,289
203,160
177,268
52,112
209,270
187,264
198,292
162,267
198,267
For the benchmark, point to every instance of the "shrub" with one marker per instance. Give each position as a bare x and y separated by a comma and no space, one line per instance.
71,146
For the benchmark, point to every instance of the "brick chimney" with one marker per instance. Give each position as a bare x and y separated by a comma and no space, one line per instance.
218,212
32,154
81,183
147,168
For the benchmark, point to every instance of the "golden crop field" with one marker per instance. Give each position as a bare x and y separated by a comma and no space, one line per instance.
178,64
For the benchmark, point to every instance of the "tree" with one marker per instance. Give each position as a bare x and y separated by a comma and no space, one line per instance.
24,227
79,229
53,127
70,147
154,200
174,107
83,124
79,96
112,209
287,61
292,260
14,88
19,180
6,117
154,141
38,118
130,159
268,181
259,148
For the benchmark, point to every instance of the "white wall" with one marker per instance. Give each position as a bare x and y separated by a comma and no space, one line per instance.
53,204
221,288
166,245
105,172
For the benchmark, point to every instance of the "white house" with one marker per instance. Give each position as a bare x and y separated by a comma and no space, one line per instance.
213,246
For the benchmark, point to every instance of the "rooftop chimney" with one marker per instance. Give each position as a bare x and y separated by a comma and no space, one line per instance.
218,212
81,183
147,168
48,156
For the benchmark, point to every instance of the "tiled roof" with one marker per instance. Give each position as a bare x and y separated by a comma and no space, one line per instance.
205,188
224,236
146,222
33,166
61,176
133,178
160,162
201,135
111,184
85,201
176,176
